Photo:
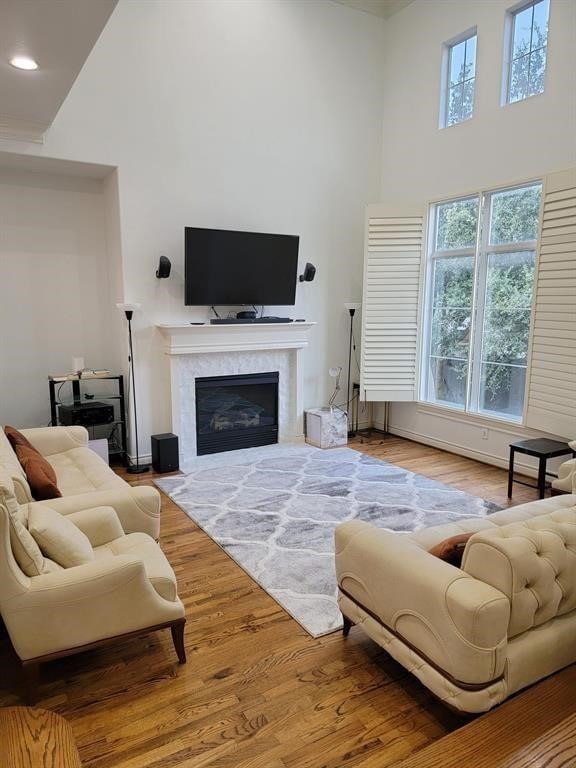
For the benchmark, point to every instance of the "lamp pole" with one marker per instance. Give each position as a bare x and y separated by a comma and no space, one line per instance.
134,469
352,311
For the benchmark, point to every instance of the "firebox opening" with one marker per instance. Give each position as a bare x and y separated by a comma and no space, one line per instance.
235,412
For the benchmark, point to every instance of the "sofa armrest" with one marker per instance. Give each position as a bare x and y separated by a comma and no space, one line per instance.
566,480
138,508
49,440
76,606
100,524
455,621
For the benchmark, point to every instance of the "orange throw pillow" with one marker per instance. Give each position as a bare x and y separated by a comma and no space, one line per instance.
17,439
39,473
452,549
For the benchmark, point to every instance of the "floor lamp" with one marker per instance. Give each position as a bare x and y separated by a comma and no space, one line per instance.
129,309
351,306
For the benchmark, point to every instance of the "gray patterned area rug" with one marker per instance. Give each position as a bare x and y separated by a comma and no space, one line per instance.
274,511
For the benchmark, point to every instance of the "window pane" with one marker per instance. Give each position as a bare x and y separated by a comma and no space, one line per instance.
467,99
452,282
450,329
537,72
447,381
519,78
450,333
540,25
470,57
508,301
454,105
457,63
456,224
528,54
502,389
460,87
522,32
514,215
509,285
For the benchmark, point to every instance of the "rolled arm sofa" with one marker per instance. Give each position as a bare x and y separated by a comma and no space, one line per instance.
473,635
83,478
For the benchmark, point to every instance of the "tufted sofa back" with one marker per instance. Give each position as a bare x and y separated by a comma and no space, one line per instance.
532,562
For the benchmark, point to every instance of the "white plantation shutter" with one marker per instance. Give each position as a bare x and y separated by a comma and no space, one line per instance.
392,265
551,389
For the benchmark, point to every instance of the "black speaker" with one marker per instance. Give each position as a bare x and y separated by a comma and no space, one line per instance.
309,273
165,452
164,267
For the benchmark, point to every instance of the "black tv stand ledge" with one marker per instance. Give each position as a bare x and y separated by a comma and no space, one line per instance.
249,321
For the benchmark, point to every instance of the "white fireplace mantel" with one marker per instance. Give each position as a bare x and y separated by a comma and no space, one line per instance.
206,350
189,339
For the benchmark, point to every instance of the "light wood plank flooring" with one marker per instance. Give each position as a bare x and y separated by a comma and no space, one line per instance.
257,691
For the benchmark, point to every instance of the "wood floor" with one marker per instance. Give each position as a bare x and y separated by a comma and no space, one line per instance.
257,691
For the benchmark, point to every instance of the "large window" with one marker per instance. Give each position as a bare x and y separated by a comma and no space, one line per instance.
459,81
479,298
528,40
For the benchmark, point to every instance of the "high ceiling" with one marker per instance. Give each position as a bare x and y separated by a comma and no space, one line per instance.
59,35
383,8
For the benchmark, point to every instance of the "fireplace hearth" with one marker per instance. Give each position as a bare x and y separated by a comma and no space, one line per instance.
235,412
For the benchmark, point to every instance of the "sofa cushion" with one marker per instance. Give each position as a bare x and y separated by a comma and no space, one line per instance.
80,470
58,538
9,461
39,473
157,567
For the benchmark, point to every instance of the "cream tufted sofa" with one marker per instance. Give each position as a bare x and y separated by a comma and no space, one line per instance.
83,478
566,474
478,634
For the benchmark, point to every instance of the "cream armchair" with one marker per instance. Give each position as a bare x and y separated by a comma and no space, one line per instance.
477,634
125,585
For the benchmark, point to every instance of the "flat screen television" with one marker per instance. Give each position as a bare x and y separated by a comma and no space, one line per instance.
230,267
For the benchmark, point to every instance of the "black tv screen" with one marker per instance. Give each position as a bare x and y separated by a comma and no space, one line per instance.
229,267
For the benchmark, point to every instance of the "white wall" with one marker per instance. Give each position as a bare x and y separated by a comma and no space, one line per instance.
54,287
261,115
499,145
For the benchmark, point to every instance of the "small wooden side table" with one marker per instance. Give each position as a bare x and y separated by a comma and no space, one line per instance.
36,738
543,449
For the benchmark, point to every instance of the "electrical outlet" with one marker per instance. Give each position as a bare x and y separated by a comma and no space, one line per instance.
485,434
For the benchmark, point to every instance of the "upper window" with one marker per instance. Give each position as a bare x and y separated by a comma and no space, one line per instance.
479,298
459,81
527,51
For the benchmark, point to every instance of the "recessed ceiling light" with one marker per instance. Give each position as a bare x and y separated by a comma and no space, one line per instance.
23,62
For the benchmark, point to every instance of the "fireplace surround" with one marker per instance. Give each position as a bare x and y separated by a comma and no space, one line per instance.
198,351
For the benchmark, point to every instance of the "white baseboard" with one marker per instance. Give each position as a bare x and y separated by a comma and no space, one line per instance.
143,458
461,450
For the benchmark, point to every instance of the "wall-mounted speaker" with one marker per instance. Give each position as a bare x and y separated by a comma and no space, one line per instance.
164,267
309,273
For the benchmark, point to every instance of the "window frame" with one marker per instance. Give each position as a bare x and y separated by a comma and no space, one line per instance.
480,253
508,58
445,77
